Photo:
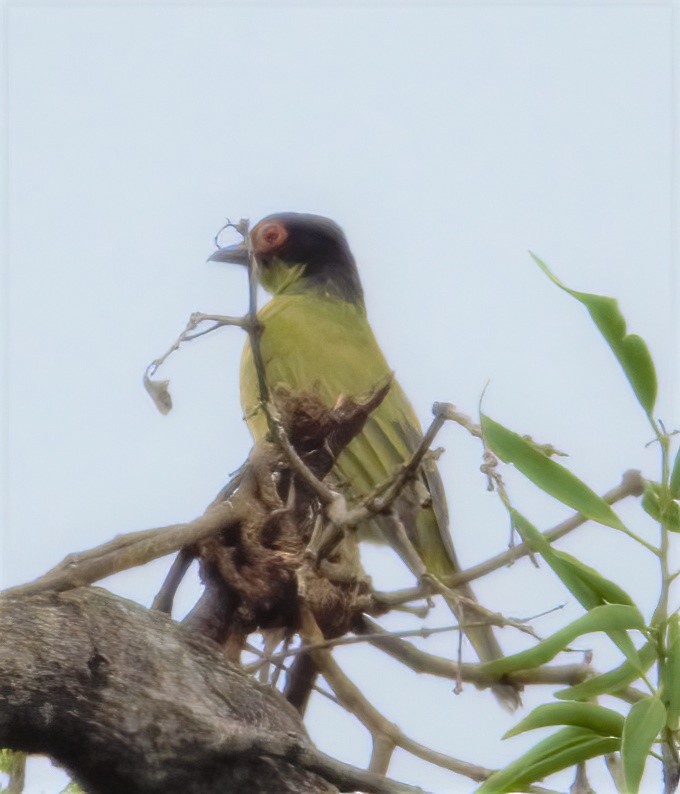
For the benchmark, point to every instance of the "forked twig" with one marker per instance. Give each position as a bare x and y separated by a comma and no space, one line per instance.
385,734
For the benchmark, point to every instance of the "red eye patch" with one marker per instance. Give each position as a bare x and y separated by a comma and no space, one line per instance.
269,237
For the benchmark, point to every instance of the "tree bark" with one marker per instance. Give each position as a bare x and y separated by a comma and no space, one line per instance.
127,700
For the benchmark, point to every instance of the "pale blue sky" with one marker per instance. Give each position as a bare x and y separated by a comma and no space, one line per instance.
446,139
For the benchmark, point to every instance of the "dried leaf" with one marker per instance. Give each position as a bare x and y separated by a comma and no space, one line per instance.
158,391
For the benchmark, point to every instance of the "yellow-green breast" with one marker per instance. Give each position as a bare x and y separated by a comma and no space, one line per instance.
316,342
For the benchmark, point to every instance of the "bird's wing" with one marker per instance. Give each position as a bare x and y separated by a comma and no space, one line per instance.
435,486
320,344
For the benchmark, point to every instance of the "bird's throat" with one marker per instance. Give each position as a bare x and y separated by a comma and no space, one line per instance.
278,277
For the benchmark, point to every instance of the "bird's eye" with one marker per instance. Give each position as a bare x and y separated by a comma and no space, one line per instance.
270,237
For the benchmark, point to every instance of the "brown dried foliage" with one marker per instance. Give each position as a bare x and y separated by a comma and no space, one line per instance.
256,573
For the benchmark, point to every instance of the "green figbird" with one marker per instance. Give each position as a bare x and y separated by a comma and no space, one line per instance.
317,338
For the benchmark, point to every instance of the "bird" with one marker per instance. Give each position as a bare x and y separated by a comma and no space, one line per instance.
317,337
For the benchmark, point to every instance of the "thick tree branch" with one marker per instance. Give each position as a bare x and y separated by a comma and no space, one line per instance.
128,551
122,696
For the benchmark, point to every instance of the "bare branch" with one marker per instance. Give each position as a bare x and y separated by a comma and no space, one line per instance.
158,390
129,551
383,750
632,484
327,496
422,662
380,728
385,494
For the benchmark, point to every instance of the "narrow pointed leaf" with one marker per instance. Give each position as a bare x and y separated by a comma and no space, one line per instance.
607,592
583,592
548,475
675,477
671,673
653,505
630,349
642,726
604,722
671,517
587,585
561,750
594,588
613,680
651,500
608,618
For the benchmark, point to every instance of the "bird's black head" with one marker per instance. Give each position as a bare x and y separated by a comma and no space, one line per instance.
296,250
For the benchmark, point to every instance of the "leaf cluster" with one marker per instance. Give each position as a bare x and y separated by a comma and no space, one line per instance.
588,729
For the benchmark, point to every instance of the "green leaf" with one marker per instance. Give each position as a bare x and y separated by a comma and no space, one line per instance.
561,750
607,618
671,517
587,585
613,680
630,349
675,477
598,719
651,499
582,590
640,729
548,475
671,673
652,504
606,591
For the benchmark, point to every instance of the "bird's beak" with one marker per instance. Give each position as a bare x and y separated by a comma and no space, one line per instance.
237,254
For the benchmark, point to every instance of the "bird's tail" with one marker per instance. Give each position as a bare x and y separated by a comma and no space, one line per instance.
486,646
440,560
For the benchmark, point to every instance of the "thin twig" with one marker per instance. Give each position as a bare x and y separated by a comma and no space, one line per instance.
422,662
465,421
380,728
353,701
255,666
632,484
396,598
219,320
327,496
457,603
385,494
255,329
424,632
